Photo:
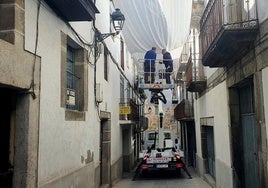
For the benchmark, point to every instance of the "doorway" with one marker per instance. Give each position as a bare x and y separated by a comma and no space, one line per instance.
208,149
244,135
7,109
126,145
188,142
105,152
191,140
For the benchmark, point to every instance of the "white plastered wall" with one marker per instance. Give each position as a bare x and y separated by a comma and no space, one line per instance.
262,7
111,88
215,104
64,144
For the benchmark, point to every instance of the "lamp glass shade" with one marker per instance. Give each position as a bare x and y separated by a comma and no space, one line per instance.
118,19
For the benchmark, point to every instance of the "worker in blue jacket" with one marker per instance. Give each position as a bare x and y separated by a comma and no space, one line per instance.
168,62
149,65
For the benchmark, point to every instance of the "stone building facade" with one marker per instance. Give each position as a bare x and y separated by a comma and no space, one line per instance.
59,92
230,112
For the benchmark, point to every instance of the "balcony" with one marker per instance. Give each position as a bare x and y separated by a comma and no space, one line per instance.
195,77
228,30
79,10
184,111
129,111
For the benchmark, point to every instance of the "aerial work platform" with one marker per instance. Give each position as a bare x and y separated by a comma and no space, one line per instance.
153,77
156,86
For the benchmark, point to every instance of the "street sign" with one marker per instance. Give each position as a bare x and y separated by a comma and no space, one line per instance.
124,110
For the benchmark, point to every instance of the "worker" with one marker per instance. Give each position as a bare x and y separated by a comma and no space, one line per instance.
149,65
168,62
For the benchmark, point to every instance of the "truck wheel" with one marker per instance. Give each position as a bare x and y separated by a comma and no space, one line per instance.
144,173
178,171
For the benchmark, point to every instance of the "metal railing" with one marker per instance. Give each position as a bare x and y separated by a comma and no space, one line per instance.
226,14
194,69
184,110
153,72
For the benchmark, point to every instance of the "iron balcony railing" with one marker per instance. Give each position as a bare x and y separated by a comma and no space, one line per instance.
184,110
195,76
226,27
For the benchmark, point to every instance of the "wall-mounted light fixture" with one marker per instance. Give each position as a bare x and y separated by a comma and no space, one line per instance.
118,20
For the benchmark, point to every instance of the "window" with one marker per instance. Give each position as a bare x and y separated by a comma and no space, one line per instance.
128,58
74,71
106,57
72,80
122,89
167,135
151,136
128,92
122,54
122,97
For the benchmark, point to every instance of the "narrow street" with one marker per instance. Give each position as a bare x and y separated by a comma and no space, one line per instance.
89,89
162,180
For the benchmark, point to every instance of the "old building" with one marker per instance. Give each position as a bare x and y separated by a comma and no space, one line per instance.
64,75
190,78
231,109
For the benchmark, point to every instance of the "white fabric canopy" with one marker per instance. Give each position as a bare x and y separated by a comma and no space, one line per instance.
159,23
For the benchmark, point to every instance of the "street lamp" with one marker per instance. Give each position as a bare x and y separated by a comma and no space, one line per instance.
118,20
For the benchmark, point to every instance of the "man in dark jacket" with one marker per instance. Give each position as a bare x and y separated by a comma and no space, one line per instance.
149,65
167,60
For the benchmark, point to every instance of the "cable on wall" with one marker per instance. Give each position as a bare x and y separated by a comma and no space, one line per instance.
35,50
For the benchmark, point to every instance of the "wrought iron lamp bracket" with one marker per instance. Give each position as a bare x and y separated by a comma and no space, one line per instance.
100,37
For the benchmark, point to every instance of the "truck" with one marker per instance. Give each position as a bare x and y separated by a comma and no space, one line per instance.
152,137
160,154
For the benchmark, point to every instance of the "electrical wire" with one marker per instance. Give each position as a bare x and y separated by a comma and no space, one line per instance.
35,50
92,46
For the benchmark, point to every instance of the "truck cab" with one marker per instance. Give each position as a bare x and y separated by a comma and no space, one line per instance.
152,137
